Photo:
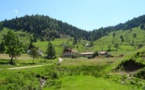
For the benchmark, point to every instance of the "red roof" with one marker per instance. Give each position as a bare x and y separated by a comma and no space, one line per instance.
69,50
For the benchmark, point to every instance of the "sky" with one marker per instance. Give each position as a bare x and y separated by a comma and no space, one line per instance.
84,14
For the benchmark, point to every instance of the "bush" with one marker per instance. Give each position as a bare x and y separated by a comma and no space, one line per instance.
95,54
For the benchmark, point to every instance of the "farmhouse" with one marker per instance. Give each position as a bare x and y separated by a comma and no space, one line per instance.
69,53
87,54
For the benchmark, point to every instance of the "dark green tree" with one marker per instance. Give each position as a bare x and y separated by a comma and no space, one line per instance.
122,39
116,46
31,45
34,53
109,47
142,26
91,43
95,54
35,38
113,34
1,27
2,47
134,35
13,44
75,41
50,51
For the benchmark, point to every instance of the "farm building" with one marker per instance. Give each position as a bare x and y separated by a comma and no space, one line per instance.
69,53
103,53
87,54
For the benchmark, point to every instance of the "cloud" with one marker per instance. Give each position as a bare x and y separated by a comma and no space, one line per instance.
16,11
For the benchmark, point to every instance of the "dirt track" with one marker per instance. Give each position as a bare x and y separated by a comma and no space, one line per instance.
25,67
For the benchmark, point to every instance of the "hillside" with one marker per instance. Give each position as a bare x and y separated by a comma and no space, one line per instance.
128,36
44,26
24,37
135,22
126,40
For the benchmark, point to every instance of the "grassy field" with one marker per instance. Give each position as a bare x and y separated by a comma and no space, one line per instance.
75,73
57,43
24,36
85,61
89,83
23,60
106,41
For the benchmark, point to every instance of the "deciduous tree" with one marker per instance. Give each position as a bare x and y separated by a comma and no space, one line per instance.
13,44
2,47
34,53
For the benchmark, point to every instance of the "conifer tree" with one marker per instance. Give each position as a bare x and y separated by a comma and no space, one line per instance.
50,51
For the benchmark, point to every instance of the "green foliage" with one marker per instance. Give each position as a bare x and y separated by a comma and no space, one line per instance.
75,41
19,80
95,54
1,26
134,61
140,73
113,34
91,43
35,38
2,47
142,26
50,51
13,44
31,45
130,43
68,46
134,35
44,26
116,46
122,39
89,83
34,53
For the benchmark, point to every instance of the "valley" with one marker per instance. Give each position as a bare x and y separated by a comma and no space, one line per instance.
33,56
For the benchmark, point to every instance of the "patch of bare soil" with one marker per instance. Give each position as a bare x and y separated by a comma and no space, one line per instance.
131,65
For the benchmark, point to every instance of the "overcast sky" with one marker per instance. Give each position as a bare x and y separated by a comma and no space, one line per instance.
84,14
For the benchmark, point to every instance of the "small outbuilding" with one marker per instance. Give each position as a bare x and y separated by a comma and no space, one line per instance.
87,54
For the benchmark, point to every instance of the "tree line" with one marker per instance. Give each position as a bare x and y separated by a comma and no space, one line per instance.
135,22
12,45
46,28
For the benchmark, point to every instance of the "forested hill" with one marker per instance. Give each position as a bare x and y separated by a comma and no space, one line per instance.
135,22
45,26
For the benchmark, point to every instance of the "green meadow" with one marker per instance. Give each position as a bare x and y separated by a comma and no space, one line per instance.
130,42
99,73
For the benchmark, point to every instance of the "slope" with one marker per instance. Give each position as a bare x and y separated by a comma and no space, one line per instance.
44,26
132,40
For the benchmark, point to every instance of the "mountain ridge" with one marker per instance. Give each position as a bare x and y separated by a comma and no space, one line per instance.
48,27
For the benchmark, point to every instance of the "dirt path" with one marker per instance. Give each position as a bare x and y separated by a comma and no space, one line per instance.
60,60
25,67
